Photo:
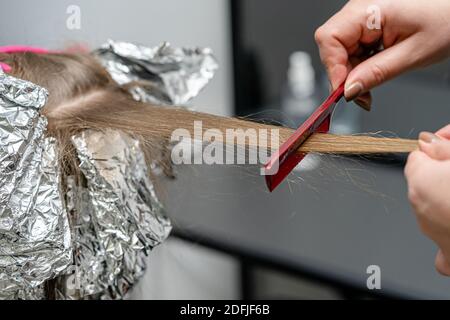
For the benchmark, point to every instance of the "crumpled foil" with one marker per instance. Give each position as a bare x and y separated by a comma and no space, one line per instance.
34,230
160,75
112,209
116,218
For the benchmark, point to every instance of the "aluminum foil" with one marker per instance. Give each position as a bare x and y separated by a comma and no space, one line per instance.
159,75
34,230
116,217
162,74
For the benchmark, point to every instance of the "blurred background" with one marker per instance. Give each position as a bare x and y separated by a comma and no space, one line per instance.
323,232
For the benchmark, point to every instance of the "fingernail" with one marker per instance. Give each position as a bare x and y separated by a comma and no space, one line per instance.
364,102
353,90
428,137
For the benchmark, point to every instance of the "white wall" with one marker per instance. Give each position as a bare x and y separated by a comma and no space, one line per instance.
181,22
177,270
181,270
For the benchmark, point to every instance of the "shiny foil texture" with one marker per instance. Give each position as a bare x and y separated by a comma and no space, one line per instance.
35,243
116,217
85,236
160,75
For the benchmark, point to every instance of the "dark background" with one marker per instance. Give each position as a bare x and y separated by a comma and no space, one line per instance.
266,32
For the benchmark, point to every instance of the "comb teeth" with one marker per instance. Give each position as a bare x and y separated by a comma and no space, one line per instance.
287,157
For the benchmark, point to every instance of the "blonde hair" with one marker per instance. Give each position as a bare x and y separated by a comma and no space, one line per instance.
84,96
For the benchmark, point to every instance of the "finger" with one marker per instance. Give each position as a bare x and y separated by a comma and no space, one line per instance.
414,170
333,54
442,265
415,159
434,146
364,101
340,37
444,132
379,68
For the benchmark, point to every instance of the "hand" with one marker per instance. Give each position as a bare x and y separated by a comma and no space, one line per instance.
428,175
414,33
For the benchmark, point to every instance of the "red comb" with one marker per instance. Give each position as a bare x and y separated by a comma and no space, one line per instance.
286,158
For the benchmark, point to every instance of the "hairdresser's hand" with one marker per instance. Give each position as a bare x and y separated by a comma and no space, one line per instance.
428,174
414,33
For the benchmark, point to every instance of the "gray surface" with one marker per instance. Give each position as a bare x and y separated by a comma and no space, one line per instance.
291,27
338,219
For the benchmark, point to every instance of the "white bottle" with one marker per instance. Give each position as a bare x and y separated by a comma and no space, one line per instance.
300,98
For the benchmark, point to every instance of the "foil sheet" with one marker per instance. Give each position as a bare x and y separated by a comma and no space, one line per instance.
35,243
160,75
116,217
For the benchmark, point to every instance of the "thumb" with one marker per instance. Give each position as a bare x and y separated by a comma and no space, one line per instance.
442,265
444,132
434,146
379,68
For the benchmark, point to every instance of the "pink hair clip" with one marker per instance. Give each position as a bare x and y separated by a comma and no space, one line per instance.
5,67
15,49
